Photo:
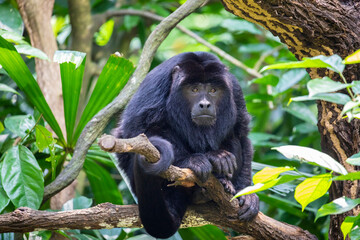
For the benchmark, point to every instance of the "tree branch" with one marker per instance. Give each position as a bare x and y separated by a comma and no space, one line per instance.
222,212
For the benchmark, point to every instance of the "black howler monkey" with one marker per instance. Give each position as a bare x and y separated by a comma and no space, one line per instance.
193,111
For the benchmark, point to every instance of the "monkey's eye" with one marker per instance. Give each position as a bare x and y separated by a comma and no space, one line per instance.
213,90
195,89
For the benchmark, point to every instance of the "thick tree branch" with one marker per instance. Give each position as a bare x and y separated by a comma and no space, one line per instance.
97,124
222,212
225,214
107,215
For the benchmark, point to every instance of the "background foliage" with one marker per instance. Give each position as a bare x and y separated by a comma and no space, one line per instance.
22,120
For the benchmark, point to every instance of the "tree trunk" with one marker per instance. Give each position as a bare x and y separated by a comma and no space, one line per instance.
311,28
36,15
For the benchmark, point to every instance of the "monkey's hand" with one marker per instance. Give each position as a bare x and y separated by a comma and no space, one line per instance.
199,164
249,207
223,162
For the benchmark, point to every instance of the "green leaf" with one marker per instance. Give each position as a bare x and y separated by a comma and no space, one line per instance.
351,105
72,65
324,85
306,63
111,234
333,62
102,184
263,186
44,138
103,36
348,224
354,159
338,98
31,51
20,125
10,18
267,80
4,199
22,178
1,128
353,58
6,88
355,234
338,206
267,174
112,79
350,176
302,111
311,156
77,203
356,87
312,188
289,79
14,65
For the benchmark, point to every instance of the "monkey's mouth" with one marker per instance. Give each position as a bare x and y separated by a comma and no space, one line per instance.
204,120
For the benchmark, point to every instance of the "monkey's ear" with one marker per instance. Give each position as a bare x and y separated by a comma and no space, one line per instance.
178,76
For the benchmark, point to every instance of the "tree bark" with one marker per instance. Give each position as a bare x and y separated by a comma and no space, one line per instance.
107,215
311,28
36,15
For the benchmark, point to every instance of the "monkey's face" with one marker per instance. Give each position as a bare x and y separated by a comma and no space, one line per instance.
203,99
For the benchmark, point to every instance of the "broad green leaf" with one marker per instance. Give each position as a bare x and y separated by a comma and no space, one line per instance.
338,98
306,63
265,139
338,206
4,199
111,234
351,105
324,85
20,125
355,234
31,51
302,111
1,127
267,80
354,159
208,232
355,87
311,156
102,184
263,186
112,79
353,58
22,178
10,18
239,25
77,203
312,188
289,79
304,128
14,65
334,61
6,88
268,174
72,65
348,224
350,176
103,36
44,138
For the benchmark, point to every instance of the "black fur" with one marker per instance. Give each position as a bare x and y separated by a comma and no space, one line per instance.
160,110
